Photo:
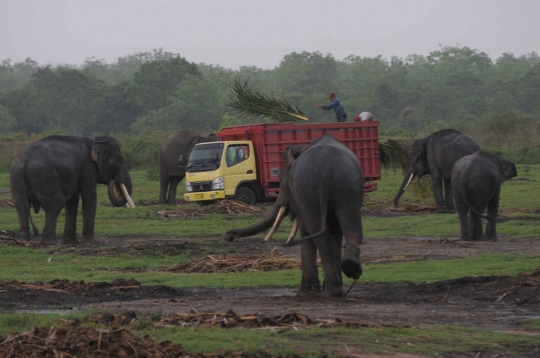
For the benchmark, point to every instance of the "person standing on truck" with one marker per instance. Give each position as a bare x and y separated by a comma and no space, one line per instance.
341,115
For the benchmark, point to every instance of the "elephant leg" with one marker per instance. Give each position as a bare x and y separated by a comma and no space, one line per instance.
448,196
173,185
310,274
476,221
49,229
464,233
89,205
329,247
20,199
163,184
23,211
436,182
492,212
350,221
70,227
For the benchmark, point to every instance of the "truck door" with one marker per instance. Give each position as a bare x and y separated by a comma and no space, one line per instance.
239,166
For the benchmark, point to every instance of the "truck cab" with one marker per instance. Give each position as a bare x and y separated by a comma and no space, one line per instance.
219,170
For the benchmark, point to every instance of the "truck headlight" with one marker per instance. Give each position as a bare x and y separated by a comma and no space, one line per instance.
218,183
188,187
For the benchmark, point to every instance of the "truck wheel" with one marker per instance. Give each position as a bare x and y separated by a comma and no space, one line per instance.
245,195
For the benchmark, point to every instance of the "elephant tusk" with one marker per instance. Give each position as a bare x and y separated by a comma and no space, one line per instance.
126,195
409,182
279,217
293,231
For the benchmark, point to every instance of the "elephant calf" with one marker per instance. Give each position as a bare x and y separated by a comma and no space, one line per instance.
54,172
476,184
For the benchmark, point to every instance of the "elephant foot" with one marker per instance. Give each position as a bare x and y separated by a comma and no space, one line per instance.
491,236
309,289
69,240
48,241
350,265
333,292
443,210
465,238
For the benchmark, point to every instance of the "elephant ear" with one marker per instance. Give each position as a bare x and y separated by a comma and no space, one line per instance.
507,169
417,151
100,153
296,150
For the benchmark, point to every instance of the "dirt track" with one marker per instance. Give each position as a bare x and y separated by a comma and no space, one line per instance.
373,249
494,302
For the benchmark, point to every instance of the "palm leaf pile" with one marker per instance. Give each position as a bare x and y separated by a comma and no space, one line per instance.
396,154
248,103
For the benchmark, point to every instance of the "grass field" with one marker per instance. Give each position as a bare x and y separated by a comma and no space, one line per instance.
519,196
520,193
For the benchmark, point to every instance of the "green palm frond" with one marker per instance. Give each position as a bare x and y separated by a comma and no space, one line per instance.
258,104
396,154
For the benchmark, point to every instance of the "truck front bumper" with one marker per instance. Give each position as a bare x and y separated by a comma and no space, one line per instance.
205,195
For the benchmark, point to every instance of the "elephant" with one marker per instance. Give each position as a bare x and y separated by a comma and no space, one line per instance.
476,184
322,188
435,155
55,171
171,168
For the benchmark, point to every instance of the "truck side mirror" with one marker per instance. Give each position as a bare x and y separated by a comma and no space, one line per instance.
181,160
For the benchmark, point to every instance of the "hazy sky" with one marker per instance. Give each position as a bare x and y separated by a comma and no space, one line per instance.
261,32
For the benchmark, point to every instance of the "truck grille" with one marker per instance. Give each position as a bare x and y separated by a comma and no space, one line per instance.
201,186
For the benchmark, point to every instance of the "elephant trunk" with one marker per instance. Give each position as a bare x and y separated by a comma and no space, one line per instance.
120,192
406,181
272,219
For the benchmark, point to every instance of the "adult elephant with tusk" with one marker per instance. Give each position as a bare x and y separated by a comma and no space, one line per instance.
56,171
435,155
322,189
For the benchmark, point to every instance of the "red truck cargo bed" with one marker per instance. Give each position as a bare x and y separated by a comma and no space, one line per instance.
271,139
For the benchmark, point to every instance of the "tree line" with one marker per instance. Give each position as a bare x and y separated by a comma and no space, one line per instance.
453,86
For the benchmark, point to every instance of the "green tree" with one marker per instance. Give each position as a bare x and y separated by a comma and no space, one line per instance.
16,75
7,120
66,97
155,84
195,105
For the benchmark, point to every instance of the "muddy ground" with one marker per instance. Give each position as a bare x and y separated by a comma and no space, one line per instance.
502,303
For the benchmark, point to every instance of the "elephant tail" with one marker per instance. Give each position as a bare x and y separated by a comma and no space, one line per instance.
466,201
323,204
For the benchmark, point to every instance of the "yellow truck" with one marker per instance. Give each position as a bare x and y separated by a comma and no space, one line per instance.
245,164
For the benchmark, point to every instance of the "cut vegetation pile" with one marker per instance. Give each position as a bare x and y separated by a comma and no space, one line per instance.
255,321
65,286
6,202
229,319
74,340
239,263
221,207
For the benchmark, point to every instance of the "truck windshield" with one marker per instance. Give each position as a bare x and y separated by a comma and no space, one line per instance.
205,157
